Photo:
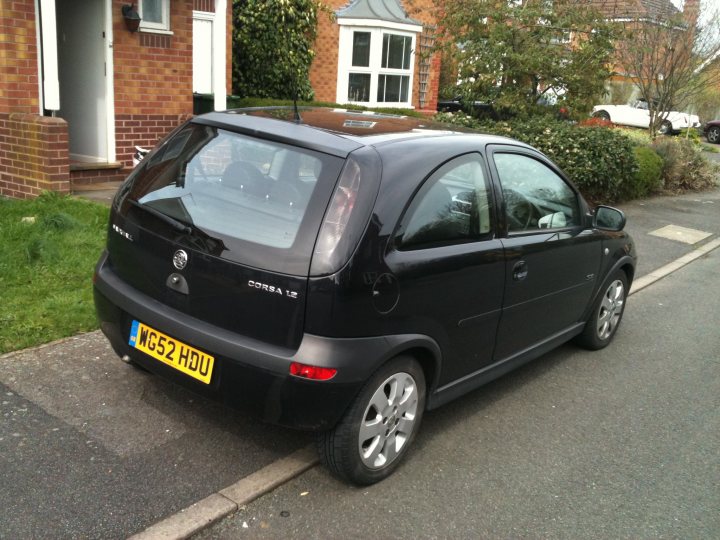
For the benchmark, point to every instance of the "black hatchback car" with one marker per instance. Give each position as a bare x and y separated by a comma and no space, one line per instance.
343,272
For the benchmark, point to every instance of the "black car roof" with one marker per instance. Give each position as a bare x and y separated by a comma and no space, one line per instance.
332,131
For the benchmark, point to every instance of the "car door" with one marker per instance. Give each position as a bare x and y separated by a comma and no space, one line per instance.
639,115
552,257
450,266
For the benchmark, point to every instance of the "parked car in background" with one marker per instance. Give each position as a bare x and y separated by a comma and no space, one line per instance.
478,109
637,114
486,111
711,130
343,272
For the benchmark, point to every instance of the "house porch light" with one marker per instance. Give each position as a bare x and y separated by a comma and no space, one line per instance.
131,16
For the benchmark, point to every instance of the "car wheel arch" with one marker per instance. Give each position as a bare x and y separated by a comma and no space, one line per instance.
627,266
429,363
604,114
629,270
667,128
424,349
713,134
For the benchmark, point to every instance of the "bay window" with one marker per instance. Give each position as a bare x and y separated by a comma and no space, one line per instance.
376,63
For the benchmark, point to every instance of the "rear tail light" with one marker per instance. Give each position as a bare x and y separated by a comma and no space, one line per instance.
315,373
347,214
338,213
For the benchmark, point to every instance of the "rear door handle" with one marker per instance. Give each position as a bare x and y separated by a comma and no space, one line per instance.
520,271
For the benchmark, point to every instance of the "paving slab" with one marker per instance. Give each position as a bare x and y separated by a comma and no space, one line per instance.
685,235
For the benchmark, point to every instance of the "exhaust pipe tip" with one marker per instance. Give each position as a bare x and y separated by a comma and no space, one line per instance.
125,358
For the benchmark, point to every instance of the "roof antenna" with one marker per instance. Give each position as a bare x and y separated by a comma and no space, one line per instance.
298,119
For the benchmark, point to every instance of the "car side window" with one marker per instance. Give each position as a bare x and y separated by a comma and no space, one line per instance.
535,196
452,206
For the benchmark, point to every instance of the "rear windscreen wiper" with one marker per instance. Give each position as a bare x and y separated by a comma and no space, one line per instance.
174,223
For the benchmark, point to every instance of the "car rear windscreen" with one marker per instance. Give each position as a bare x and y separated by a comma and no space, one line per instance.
261,200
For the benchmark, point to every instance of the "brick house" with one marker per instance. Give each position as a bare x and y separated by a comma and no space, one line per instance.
79,89
375,54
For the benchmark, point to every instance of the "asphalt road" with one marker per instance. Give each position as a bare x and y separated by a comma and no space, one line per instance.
700,211
620,443
617,443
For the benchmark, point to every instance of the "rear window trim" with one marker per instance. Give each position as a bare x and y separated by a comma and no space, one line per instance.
341,148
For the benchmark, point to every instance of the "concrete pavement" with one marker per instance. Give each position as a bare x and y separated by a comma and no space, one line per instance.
92,447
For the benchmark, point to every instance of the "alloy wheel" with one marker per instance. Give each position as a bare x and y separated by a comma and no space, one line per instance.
611,309
713,135
389,421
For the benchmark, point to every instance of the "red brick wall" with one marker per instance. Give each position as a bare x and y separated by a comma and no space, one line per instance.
432,95
153,79
142,130
425,11
19,90
96,176
153,76
33,155
323,72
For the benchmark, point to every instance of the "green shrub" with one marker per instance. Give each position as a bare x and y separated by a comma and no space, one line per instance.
639,137
599,160
648,178
691,134
273,47
684,167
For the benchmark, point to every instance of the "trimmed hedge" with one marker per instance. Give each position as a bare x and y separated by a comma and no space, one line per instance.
600,161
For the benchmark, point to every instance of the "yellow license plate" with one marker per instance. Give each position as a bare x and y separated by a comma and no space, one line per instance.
172,352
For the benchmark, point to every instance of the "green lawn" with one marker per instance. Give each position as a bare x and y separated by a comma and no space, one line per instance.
48,250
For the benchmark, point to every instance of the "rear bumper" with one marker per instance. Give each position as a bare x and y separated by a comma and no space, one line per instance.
248,375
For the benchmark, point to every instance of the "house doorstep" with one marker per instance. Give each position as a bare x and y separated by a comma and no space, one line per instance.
102,192
96,181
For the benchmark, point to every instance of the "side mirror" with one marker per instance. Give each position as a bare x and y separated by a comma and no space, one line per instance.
609,219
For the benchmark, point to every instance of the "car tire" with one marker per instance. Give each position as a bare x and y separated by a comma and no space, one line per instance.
665,128
603,115
606,314
371,439
713,135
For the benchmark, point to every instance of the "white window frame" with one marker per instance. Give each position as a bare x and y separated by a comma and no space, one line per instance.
376,29
156,28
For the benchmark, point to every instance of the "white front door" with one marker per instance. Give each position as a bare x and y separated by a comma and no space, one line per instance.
82,50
